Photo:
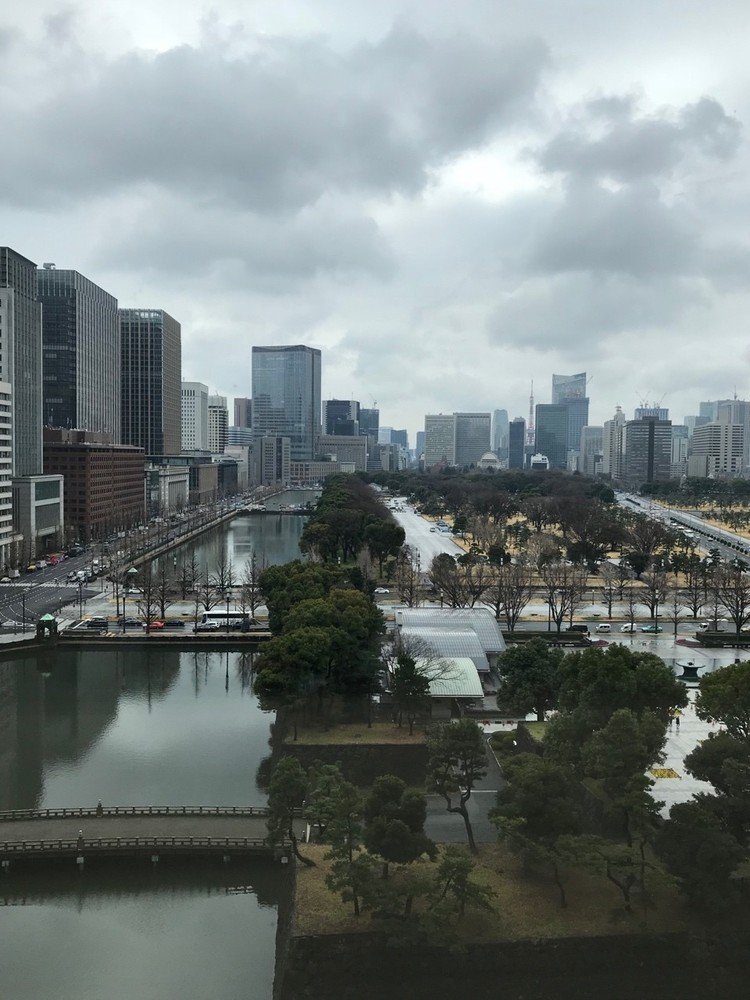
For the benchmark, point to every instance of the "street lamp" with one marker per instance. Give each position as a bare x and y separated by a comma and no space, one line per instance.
129,576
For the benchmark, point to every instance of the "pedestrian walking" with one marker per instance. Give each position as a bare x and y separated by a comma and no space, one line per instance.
677,720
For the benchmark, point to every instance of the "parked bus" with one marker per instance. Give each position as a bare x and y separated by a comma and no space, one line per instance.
233,619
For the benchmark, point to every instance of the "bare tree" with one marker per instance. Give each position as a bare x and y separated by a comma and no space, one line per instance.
446,577
694,591
250,593
732,589
542,549
408,578
148,603
674,604
564,587
223,578
205,592
510,592
188,574
163,588
624,574
632,602
609,575
654,592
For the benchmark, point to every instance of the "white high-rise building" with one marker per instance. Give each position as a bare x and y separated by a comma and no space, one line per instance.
194,397
613,445
218,424
7,533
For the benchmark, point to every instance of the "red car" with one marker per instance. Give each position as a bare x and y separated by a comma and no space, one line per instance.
154,625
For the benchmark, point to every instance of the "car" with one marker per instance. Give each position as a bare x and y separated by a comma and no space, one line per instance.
652,629
128,621
5,579
31,568
629,627
12,626
603,627
206,627
174,623
433,529
71,575
97,623
382,590
154,625
578,628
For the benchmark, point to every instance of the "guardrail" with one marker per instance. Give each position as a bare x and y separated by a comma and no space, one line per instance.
95,812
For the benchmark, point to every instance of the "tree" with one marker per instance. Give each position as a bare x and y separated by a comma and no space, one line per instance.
609,576
457,761
447,579
148,602
700,852
618,755
510,592
732,588
162,588
535,809
188,575
206,596
455,887
353,879
408,578
675,603
250,594
286,792
410,688
563,587
395,818
724,697
530,675
383,539
706,762
654,594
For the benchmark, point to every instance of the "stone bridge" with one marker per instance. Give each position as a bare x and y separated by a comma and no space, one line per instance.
137,830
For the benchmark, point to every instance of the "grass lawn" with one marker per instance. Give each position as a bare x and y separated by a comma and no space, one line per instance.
524,907
536,730
351,733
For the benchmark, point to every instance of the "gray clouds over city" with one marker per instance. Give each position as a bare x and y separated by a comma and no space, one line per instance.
448,198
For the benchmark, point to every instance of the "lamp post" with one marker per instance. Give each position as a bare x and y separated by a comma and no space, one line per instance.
228,596
129,576
23,610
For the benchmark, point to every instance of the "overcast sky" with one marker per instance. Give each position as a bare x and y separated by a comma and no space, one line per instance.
448,198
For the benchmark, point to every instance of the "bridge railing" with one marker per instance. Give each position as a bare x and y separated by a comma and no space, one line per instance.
109,844
95,812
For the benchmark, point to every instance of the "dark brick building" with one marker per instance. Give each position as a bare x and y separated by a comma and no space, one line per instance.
104,482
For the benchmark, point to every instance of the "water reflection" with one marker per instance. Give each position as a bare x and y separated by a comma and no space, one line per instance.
130,727
128,930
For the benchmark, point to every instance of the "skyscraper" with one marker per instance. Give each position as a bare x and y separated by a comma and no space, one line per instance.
516,443
286,396
613,446
194,416
552,433
590,450
472,437
243,412
341,417
369,427
21,360
439,439
570,391
151,369
565,387
81,353
500,433
218,422
419,448
648,450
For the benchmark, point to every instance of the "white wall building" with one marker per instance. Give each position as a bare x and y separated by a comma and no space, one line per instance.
194,416
218,424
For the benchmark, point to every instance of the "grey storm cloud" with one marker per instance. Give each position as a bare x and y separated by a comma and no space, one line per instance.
609,139
273,129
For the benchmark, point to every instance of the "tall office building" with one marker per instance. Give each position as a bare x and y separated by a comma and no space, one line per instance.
648,450
590,450
570,391
218,423
716,451
658,412
369,426
151,367
400,437
419,447
341,417
286,396
194,398
552,433
21,359
81,353
613,446
500,433
243,412
472,437
516,443
7,533
439,439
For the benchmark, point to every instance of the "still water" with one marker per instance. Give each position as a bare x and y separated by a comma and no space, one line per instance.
134,727
140,727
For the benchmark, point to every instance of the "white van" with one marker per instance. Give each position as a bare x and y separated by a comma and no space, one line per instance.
603,627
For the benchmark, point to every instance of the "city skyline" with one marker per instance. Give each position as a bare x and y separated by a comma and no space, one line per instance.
589,210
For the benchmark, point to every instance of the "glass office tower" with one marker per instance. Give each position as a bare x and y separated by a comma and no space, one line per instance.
286,396
81,348
151,379
21,362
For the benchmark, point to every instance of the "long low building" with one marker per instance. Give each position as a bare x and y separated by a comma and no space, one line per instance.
479,621
451,679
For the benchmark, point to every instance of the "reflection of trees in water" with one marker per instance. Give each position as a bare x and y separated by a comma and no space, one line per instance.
151,672
106,880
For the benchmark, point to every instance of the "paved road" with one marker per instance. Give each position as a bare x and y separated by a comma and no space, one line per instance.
44,591
423,541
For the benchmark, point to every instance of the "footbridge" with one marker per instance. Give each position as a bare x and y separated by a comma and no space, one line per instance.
150,831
